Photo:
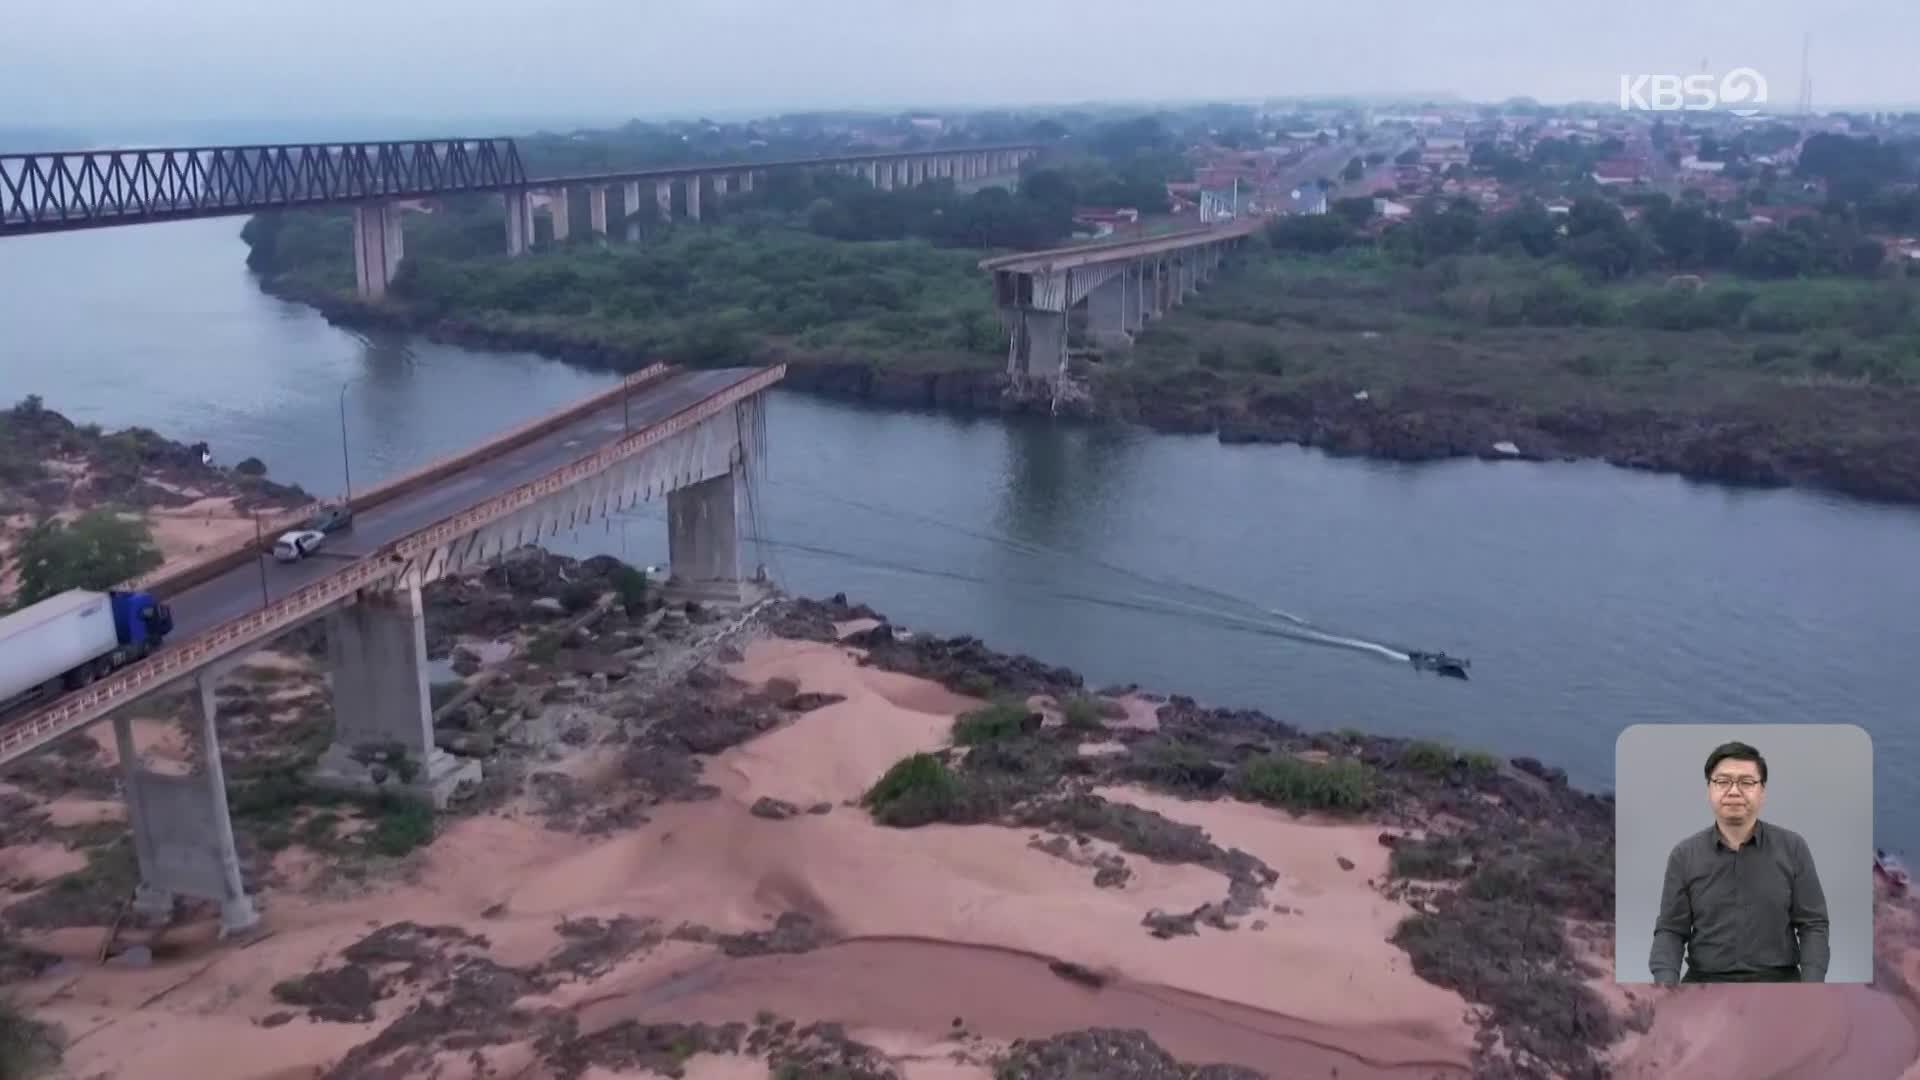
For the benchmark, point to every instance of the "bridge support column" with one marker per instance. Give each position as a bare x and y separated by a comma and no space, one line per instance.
1107,312
883,175
182,833
693,198
562,214
746,180
382,720
597,209
703,543
663,198
630,205
519,238
1039,346
377,248
721,186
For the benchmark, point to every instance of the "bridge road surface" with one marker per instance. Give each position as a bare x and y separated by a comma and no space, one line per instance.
237,592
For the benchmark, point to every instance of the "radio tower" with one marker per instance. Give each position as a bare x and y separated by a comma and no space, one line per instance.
1806,76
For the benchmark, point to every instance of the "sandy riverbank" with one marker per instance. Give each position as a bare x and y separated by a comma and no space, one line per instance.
773,901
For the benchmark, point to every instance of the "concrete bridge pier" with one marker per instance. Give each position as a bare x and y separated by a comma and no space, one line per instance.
377,248
1039,345
562,213
663,199
693,198
746,180
1107,312
720,186
519,237
182,832
382,716
597,209
703,539
883,175
630,209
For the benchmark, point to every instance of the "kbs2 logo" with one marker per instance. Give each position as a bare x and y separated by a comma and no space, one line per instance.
1740,91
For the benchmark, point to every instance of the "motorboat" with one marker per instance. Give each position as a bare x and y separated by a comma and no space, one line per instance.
1439,663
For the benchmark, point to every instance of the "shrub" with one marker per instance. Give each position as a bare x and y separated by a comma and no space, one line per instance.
1081,713
917,790
1342,785
1433,758
975,684
631,585
1000,720
579,596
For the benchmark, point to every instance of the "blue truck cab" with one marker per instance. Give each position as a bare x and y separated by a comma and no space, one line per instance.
140,620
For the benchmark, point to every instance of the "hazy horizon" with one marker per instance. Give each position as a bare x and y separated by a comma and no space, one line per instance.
479,66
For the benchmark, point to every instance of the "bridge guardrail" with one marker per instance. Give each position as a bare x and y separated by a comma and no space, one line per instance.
82,707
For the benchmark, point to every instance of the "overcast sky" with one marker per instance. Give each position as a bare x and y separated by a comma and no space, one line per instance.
163,65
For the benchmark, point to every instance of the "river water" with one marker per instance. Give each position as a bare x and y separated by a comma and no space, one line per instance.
1588,598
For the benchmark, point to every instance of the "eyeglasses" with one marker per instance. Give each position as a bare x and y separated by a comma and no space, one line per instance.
1722,783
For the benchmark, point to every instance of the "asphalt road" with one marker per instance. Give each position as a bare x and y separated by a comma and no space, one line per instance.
240,590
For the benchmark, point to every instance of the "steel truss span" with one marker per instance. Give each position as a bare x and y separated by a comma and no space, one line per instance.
59,192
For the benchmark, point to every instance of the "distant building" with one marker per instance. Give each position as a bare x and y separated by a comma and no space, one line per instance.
1619,171
1306,199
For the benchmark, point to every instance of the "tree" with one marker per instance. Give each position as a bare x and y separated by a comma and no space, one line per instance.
1407,157
1314,233
1355,209
97,550
1355,170
1528,227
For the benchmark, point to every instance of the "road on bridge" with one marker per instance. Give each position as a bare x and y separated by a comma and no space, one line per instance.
238,591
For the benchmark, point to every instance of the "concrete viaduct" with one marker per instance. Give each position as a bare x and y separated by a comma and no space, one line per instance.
1122,283
59,192
691,437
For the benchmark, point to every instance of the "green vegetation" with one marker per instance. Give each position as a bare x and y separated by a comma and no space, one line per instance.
1000,720
1439,759
1341,785
1499,939
27,1047
97,550
1752,381
1081,713
1596,237
631,586
917,790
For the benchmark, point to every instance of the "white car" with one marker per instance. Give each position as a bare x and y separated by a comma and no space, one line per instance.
298,544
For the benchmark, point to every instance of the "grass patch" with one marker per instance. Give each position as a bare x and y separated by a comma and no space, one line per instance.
1341,786
1000,720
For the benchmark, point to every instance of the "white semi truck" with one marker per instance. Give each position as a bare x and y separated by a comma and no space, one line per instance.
75,637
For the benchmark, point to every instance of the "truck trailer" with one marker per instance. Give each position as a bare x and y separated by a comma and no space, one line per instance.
76,637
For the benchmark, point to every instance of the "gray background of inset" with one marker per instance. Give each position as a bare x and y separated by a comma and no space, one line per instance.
1819,784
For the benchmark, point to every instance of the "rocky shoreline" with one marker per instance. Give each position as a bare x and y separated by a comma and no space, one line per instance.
1744,449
